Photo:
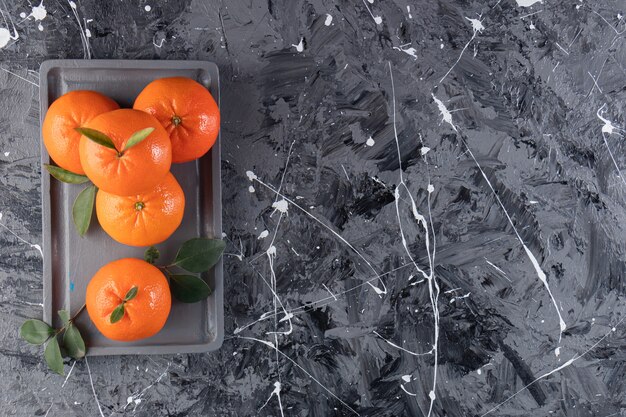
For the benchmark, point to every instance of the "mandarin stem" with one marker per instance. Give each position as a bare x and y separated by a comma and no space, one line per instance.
80,310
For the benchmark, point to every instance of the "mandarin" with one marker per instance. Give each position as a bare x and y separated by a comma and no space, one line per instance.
188,112
71,110
144,219
144,315
123,171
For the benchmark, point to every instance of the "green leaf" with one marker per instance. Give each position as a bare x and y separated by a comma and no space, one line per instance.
36,332
189,288
65,175
199,254
137,137
53,356
151,255
117,314
132,293
74,342
83,209
65,317
96,136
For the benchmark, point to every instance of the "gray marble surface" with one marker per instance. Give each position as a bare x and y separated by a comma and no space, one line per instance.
453,242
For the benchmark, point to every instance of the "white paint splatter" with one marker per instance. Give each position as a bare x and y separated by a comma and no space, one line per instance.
460,297
83,36
251,175
32,245
477,25
377,19
370,142
300,46
5,34
264,234
430,188
132,400
406,378
281,205
446,116
160,44
557,369
39,12
5,37
527,3
93,389
7,153
608,126
297,365
88,33
405,390
433,286
147,8
329,20
136,399
557,351
276,392
390,343
69,373
424,150
330,292
409,51
608,129
40,27
408,10
251,189
23,15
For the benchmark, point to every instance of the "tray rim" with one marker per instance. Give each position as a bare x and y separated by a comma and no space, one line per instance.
215,155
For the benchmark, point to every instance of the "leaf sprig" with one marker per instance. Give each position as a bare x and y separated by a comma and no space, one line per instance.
118,312
37,332
196,255
104,140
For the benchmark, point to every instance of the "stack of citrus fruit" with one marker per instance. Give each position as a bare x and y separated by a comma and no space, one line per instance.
127,155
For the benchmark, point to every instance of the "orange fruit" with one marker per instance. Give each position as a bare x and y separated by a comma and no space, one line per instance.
132,171
143,219
66,113
144,315
187,111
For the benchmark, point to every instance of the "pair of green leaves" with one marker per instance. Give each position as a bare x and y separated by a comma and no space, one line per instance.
37,332
119,311
102,139
82,210
195,255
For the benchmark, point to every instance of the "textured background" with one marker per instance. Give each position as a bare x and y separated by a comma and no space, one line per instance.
536,90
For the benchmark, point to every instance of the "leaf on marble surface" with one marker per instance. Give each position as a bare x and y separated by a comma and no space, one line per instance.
53,357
